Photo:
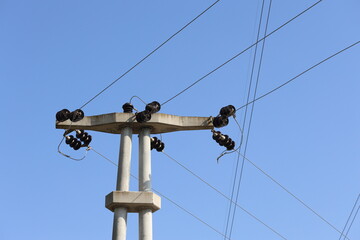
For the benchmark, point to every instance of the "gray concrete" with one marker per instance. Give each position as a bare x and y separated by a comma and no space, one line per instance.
159,123
123,178
122,183
120,224
145,224
145,215
133,201
144,160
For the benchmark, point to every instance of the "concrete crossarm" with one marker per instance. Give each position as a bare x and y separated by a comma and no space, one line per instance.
159,123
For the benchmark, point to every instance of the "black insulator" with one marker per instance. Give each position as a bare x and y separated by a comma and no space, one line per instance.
223,140
216,135
87,140
161,147
220,121
228,111
69,139
143,116
74,143
152,143
230,146
62,115
76,115
79,133
77,145
128,108
84,136
153,107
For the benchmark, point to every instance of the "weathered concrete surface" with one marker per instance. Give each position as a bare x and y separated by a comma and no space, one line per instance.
159,123
133,201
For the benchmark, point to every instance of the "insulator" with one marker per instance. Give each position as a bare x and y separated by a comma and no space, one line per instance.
87,140
143,116
62,115
223,140
152,143
79,133
230,146
74,143
216,135
220,121
153,107
128,108
69,139
76,115
228,111
161,147
84,136
77,145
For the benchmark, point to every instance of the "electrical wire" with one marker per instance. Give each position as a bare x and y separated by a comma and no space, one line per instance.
347,221
137,98
357,211
240,53
252,106
233,211
151,53
300,74
291,194
263,172
222,194
167,198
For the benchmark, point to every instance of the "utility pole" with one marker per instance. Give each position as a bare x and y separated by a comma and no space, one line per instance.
122,201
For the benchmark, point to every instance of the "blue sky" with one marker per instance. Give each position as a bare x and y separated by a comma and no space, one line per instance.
59,54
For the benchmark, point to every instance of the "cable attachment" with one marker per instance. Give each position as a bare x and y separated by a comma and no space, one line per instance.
223,140
157,144
145,115
223,118
128,108
65,114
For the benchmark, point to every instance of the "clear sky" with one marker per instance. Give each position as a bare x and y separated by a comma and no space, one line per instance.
59,54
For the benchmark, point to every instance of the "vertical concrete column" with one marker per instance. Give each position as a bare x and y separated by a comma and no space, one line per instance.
122,183
145,215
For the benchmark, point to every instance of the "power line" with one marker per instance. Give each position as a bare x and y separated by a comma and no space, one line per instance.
267,175
291,194
222,194
252,107
300,74
152,52
357,211
167,198
240,53
347,221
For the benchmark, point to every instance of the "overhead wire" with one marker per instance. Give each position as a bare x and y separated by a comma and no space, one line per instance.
241,52
151,53
224,195
167,198
263,172
300,74
233,211
252,107
357,211
347,221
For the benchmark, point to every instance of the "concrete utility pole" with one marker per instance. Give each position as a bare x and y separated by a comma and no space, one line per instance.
144,201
